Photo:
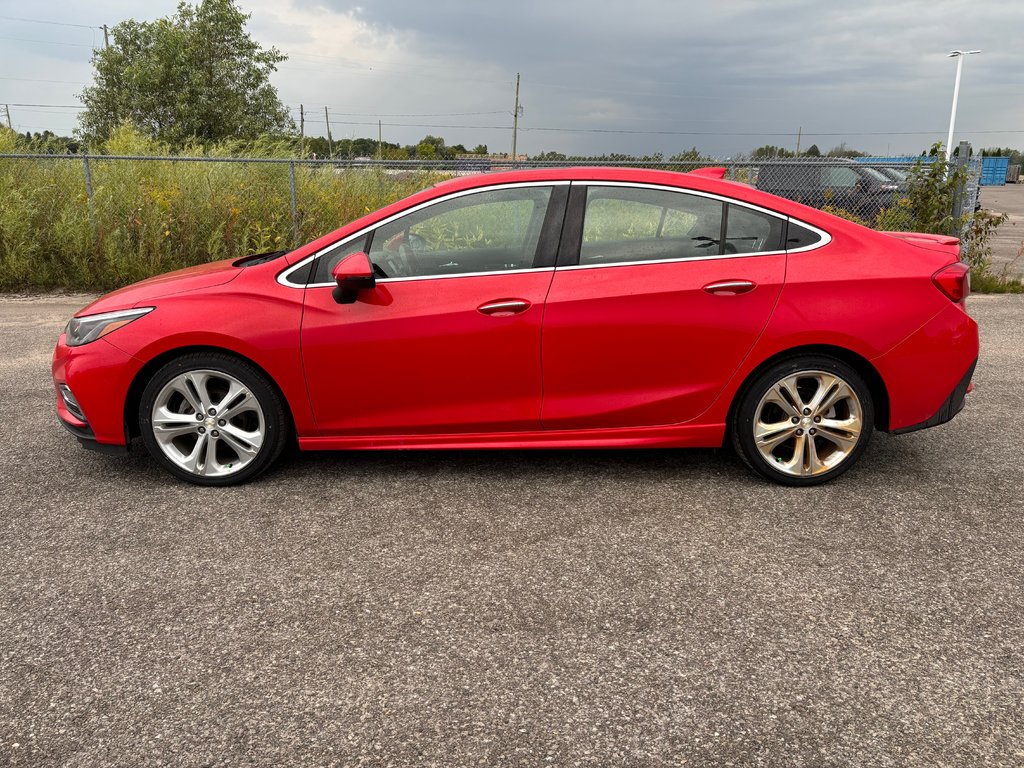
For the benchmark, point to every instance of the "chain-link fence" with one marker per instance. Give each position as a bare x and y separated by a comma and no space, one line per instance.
96,221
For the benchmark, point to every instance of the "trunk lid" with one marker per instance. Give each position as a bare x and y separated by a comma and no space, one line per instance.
942,243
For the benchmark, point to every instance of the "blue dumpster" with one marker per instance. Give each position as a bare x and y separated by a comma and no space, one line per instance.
993,171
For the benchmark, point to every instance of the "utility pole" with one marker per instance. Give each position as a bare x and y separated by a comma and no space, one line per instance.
799,132
302,131
106,37
515,121
330,140
380,149
7,107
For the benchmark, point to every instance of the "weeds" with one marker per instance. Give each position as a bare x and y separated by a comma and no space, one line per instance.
152,216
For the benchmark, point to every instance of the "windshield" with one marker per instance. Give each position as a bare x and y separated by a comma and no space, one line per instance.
877,175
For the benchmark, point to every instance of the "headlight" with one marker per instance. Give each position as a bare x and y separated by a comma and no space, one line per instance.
82,330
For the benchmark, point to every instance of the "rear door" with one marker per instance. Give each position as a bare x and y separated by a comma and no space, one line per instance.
659,295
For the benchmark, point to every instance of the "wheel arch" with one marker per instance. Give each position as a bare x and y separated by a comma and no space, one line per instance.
873,379
141,379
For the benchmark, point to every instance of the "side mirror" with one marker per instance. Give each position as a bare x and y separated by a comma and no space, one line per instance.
353,274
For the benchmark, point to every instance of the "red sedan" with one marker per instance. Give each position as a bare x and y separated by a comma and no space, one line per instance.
582,308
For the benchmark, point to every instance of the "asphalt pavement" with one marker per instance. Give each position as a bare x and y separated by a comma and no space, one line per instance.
1008,239
618,608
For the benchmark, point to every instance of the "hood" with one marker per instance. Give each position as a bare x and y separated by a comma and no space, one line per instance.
181,281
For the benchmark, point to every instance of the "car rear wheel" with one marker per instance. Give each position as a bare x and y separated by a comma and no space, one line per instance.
212,419
804,421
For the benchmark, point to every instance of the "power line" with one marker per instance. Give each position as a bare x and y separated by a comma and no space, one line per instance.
54,106
562,129
36,80
552,129
753,133
42,21
411,114
46,42
422,114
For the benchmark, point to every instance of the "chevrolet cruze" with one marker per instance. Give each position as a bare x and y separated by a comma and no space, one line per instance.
582,308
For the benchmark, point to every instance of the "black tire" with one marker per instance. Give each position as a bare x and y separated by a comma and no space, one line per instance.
786,467
274,426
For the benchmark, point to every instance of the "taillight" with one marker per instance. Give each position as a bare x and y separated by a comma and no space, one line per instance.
954,281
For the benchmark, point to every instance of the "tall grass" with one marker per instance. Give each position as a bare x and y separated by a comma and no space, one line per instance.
151,216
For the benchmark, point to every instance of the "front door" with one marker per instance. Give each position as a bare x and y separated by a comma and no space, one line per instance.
449,339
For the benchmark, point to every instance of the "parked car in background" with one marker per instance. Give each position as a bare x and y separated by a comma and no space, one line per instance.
835,182
896,175
556,308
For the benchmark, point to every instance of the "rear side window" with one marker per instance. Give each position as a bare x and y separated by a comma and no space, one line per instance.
800,237
624,224
749,231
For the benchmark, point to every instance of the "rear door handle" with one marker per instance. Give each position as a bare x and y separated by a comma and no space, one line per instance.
729,287
504,307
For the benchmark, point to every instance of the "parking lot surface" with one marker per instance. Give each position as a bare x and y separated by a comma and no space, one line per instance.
1009,237
512,608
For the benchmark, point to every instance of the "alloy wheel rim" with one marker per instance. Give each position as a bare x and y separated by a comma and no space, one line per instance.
808,423
208,423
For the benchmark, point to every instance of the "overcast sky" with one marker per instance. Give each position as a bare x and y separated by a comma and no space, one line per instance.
633,77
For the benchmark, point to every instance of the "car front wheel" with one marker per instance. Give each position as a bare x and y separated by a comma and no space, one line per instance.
804,421
212,419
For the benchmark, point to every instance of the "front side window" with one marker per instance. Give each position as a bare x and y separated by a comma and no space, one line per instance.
838,176
623,224
329,260
491,231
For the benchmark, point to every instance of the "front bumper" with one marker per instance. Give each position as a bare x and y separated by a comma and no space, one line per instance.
98,376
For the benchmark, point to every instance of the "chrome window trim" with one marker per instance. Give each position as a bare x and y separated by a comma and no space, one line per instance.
826,238
282,277
454,274
670,261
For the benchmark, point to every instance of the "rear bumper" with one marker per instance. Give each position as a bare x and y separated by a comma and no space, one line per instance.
950,408
927,375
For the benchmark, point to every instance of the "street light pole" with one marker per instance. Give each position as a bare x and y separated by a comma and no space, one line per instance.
959,56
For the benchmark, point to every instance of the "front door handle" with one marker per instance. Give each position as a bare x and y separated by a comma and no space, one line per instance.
504,307
729,287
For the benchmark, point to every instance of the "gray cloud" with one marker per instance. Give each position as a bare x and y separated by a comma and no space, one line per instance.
738,67
714,73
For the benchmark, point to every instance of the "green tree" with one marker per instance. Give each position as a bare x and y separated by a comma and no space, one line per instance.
195,76
769,151
842,150
1015,155
813,151
690,155
47,143
364,147
550,156
431,148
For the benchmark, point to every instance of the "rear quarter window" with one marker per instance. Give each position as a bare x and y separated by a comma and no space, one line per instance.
798,236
